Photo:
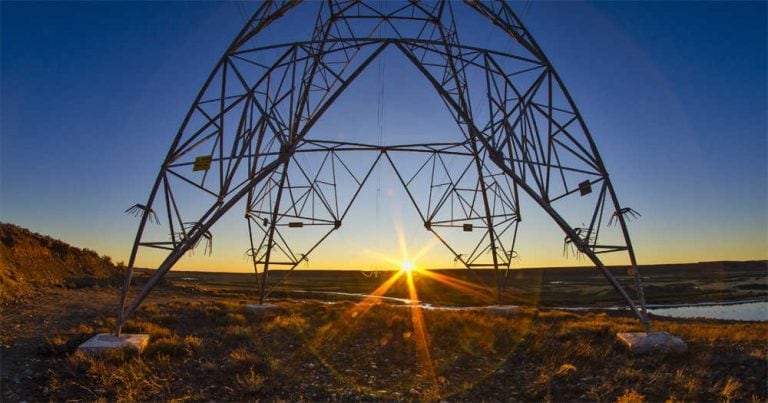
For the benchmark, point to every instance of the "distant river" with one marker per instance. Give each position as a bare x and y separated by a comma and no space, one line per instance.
745,311
757,311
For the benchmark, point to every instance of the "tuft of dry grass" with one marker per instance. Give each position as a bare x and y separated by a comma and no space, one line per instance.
172,347
250,383
731,389
565,370
630,396
56,344
154,330
193,343
234,318
241,355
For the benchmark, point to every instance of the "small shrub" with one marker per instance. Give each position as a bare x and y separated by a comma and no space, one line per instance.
565,370
193,343
154,331
56,344
78,363
83,329
119,356
293,322
250,383
555,314
238,334
235,319
731,389
150,309
168,346
240,355
128,380
630,396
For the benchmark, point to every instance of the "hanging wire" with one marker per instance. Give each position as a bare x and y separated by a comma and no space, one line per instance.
380,123
527,5
242,11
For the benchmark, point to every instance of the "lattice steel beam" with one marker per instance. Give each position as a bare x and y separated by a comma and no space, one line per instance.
241,139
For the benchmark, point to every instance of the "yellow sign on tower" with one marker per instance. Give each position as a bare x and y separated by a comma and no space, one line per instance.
202,163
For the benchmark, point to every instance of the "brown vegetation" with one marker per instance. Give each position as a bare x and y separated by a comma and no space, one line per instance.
203,349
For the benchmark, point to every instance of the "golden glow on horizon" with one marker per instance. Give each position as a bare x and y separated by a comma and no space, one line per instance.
407,262
484,293
663,249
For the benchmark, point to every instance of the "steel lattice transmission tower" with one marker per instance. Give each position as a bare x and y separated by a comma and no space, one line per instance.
249,133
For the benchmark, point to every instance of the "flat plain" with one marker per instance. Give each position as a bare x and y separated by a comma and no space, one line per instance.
326,345
555,287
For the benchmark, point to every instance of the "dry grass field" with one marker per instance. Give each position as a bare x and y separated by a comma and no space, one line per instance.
207,347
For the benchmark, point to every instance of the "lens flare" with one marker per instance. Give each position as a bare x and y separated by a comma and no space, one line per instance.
407,266
422,339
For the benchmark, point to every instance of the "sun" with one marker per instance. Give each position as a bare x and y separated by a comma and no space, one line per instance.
407,266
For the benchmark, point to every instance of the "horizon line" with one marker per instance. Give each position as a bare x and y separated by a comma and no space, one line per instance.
197,270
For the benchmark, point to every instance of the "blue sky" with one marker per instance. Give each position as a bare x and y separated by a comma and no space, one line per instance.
674,93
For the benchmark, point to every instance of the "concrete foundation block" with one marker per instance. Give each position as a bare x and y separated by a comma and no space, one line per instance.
261,308
502,310
644,343
105,342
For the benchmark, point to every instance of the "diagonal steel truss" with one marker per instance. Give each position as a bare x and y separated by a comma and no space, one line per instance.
246,139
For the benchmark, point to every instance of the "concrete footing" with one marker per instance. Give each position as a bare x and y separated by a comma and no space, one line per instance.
261,308
105,342
502,310
644,343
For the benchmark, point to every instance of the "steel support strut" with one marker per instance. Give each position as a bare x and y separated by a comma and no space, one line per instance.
271,234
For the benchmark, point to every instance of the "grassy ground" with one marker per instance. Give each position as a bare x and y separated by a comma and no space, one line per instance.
206,347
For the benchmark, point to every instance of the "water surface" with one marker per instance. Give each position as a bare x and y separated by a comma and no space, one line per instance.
749,311
737,310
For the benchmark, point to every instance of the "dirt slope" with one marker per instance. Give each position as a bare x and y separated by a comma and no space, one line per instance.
30,262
